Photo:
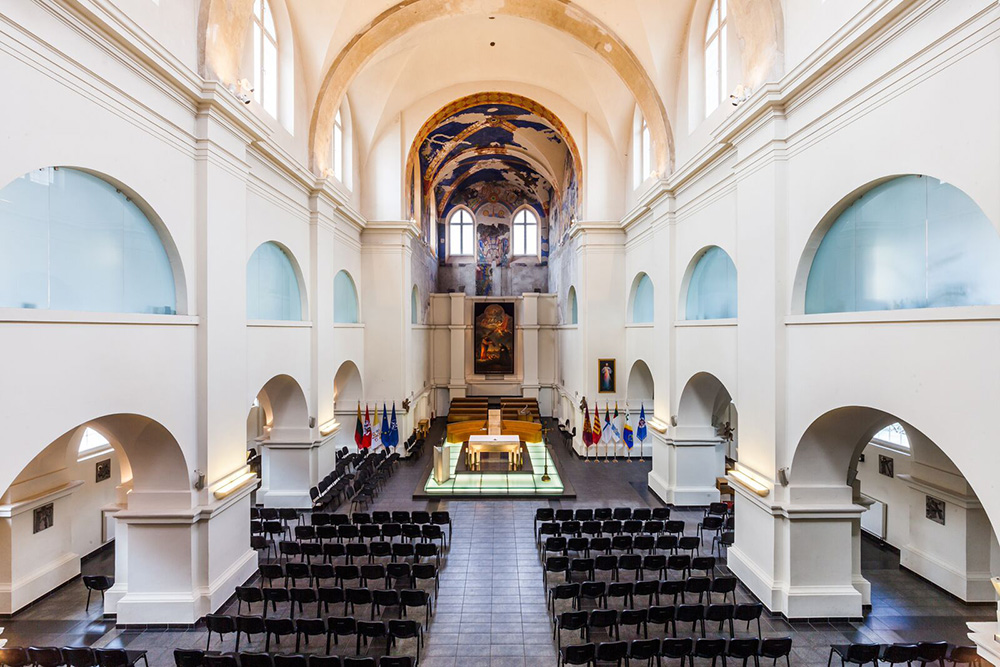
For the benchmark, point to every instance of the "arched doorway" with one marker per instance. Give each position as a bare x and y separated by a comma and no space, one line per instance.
281,445
84,490
947,538
697,442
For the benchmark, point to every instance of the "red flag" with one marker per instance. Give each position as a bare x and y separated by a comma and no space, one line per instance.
587,435
366,439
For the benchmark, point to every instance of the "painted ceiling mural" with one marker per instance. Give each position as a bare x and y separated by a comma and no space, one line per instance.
494,152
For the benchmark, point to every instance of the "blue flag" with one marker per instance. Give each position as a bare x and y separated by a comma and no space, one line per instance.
394,427
627,431
386,433
640,431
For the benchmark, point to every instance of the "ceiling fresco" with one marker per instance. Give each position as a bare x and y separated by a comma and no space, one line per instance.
494,148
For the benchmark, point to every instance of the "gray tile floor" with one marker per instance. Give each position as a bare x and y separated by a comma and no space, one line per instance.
491,608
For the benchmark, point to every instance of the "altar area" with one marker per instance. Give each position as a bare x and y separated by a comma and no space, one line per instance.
502,455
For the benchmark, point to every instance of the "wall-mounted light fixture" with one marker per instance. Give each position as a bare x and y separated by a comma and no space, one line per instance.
783,476
235,481
312,422
199,480
329,427
748,482
740,95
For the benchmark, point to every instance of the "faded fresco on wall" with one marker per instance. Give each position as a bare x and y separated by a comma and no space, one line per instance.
494,153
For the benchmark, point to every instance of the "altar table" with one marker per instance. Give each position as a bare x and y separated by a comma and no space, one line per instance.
511,444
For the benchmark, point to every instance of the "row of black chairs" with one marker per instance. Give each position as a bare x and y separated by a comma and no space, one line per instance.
333,488
441,517
331,552
655,592
896,654
323,597
543,514
612,620
594,550
638,565
684,649
199,658
372,471
69,656
332,628
663,543
320,545
390,573
714,525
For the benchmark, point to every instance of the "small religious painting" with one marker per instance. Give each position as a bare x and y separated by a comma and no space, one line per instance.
606,376
493,349
43,517
885,465
935,510
103,470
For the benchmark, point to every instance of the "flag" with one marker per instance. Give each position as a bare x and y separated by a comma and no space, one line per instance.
588,439
606,435
640,431
596,430
386,431
376,431
359,429
366,439
394,427
627,431
616,425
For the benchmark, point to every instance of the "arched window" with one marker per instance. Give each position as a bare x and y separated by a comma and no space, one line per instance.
460,227
92,443
715,56
338,147
345,299
574,314
265,57
711,293
272,285
525,232
911,242
642,164
72,241
642,300
893,435
414,301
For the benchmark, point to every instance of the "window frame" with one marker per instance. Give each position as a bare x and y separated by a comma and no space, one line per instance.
715,39
262,38
472,229
93,452
529,211
338,146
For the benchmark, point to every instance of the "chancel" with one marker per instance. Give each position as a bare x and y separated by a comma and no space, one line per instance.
369,333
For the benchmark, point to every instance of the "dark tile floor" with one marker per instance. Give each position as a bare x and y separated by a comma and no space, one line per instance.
491,608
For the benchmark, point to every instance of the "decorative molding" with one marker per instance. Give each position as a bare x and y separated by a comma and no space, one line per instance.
11,510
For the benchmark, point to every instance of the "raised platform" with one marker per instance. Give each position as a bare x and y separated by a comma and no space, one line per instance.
525,483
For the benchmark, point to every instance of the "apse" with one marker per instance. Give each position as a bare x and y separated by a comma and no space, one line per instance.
512,166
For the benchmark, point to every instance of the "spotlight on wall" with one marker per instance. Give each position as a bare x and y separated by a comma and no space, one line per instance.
199,482
783,476
242,90
312,422
673,420
740,95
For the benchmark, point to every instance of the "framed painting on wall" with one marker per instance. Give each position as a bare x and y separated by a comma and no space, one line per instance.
935,509
606,376
493,338
103,470
43,517
885,466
